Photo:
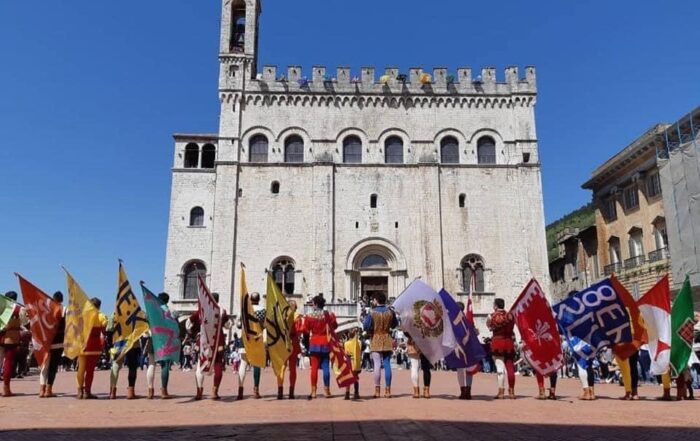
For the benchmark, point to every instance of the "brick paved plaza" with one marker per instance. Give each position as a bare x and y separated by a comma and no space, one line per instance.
401,418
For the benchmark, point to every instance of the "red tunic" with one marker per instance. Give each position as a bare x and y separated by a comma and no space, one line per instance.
95,342
501,324
317,325
295,331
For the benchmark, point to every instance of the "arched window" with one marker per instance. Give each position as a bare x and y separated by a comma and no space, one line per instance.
189,278
275,187
473,273
449,150
197,217
374,261
294,149
393,150
486,150
373,201
191,155
238,31
283,275
352,150
208,156
462,200
258,148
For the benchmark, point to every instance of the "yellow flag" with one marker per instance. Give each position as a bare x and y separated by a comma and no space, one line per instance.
130,321
277,313
252,328
81,316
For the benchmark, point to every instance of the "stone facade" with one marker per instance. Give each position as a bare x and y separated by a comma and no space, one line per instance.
630,220
577,265
350,185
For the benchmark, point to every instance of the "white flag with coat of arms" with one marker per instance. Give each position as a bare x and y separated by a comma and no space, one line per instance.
423,315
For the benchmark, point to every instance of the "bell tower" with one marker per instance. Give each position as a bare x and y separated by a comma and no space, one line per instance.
238,49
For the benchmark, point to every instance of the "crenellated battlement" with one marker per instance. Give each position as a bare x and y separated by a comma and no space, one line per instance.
417,81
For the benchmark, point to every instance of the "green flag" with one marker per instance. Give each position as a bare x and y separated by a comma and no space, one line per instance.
682,324
7,307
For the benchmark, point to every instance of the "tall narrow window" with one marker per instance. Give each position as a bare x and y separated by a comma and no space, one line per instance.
610,209
393,150
631,197
294,149
352,150
208,156
258,148
197,217
653,185
486,150
473,273
283,272
190,273
238,31
449,150
462,200
191,155
373,201
275,187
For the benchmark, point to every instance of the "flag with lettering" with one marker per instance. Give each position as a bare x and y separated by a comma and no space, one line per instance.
279,343
682,328
81,317
252,332
597,315
468,350
7,307
44,316
640,336
165,330
129,322
423,316
210,324
655,307
538,329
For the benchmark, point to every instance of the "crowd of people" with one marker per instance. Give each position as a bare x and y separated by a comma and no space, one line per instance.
377,346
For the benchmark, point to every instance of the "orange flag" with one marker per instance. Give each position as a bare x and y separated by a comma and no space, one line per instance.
44,315
639,330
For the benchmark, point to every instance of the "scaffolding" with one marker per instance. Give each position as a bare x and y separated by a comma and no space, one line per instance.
678,158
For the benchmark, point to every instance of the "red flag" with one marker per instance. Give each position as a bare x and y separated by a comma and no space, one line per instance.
538,329
210,323
44,315
345,377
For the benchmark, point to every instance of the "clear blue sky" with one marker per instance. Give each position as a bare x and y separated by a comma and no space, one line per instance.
91,92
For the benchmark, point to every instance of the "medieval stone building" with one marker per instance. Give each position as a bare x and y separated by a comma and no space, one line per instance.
346,183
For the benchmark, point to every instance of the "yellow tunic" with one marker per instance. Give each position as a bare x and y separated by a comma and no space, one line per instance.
354,350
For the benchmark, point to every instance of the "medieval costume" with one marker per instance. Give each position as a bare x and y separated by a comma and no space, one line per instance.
353,349
193,325
87,361
552,386
379,323
418,362
318,325
296,323
9,342
501,324
132,360
47,376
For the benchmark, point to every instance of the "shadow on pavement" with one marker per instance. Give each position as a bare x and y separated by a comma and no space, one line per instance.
391,430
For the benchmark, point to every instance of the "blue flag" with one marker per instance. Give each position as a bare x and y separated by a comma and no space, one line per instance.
468,351
597,316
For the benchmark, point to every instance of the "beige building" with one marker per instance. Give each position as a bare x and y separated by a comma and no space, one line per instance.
578,265
630,220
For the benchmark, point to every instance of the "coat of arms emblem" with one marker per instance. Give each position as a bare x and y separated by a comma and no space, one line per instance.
427,316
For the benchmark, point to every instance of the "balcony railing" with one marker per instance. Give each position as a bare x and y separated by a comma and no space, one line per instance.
660,254
634,262
341,310
612,268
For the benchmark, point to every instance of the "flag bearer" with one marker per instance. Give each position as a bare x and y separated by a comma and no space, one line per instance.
379,323
87,361
49,370
418,363
318,324
353,348
9,341
296,322
165,366
501,324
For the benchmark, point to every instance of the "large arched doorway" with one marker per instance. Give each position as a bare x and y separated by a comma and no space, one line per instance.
375,265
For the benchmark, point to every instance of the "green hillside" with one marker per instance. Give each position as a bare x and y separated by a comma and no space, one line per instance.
583,217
